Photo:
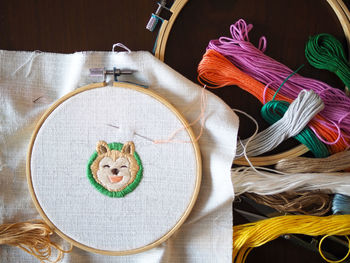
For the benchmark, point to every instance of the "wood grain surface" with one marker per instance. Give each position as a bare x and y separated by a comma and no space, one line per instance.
68,26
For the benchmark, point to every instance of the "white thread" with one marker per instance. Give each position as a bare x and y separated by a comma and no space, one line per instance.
133,133
244,146
30,60
298,115
121,46
245,179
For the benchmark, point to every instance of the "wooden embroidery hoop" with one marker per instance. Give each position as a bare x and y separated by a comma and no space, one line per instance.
343,15
165,29
159,99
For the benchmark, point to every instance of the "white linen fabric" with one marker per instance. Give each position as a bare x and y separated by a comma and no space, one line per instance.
206,236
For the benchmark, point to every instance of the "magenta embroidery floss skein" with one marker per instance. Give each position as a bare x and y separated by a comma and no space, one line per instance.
254,62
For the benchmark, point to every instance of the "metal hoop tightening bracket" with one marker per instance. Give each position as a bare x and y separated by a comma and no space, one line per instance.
155,17
103,72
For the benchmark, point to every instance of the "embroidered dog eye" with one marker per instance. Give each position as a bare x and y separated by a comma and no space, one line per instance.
123,166
106,165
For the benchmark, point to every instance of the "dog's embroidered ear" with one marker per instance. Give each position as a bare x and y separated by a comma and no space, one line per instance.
102,147
129,148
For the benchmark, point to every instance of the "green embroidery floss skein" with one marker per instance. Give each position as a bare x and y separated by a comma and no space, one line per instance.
324,51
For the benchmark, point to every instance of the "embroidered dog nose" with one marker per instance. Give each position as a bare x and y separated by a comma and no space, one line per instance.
115,171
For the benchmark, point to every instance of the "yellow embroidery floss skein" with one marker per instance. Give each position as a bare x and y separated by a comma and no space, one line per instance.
248,236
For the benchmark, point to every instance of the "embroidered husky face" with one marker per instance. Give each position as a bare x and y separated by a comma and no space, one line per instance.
114,169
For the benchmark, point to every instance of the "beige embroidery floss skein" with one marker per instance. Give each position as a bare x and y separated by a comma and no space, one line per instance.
34,238
265,181
336,162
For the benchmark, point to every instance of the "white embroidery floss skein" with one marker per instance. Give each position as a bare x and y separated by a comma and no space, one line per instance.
307,105
263,181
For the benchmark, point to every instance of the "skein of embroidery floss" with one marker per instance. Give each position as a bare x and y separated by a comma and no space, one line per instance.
274,110
341,204
216,71
298,115
324,51
307,203
34,238
251,235
266,181
334,163
254,62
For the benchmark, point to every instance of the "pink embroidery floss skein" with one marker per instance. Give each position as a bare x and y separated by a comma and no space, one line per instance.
251,60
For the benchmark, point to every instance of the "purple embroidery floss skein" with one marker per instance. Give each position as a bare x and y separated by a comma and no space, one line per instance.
251,60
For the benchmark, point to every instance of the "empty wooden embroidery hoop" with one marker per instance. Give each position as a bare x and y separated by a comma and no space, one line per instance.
186,127
343,15
165,28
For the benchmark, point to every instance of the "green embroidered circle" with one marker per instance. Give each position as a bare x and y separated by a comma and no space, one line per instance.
115,146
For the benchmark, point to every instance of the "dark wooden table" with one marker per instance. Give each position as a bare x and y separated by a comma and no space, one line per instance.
68,26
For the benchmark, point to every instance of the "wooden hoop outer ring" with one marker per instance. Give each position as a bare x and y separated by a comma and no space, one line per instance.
108,252
338,7
343,15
